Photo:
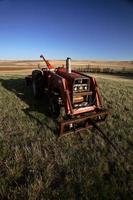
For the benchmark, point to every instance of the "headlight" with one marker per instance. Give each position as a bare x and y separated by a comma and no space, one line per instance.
85,88
79,88
75,88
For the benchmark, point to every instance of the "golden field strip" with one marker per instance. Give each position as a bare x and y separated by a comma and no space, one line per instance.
25,67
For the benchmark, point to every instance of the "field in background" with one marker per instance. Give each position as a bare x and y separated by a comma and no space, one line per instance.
25,67
35,165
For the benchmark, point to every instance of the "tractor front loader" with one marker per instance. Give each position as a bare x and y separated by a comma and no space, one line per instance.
77,93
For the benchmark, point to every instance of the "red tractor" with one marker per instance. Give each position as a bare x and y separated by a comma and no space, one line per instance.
77,93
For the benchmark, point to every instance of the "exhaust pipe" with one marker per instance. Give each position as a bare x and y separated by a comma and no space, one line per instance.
68,65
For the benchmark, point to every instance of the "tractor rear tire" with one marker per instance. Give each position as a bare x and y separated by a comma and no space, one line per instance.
37,84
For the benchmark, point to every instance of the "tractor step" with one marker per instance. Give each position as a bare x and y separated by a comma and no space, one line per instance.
80,123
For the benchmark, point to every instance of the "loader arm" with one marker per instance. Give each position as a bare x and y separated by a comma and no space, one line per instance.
56,81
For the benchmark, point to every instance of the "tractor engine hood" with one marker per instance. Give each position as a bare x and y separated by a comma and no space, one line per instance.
70,77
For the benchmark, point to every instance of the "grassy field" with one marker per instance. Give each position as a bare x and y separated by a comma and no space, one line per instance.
34,164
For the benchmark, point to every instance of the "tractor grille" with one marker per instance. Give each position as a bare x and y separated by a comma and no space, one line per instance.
81,85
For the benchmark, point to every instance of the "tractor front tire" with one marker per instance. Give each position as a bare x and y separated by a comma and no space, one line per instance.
54,107
37,84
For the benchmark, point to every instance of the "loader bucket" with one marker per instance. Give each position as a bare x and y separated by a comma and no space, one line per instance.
80,123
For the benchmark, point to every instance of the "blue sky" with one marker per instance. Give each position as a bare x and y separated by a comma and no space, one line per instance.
80,29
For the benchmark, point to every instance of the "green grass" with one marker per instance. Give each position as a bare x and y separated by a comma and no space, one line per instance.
35,165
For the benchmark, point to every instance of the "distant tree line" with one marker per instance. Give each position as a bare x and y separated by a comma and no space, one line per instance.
108,70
